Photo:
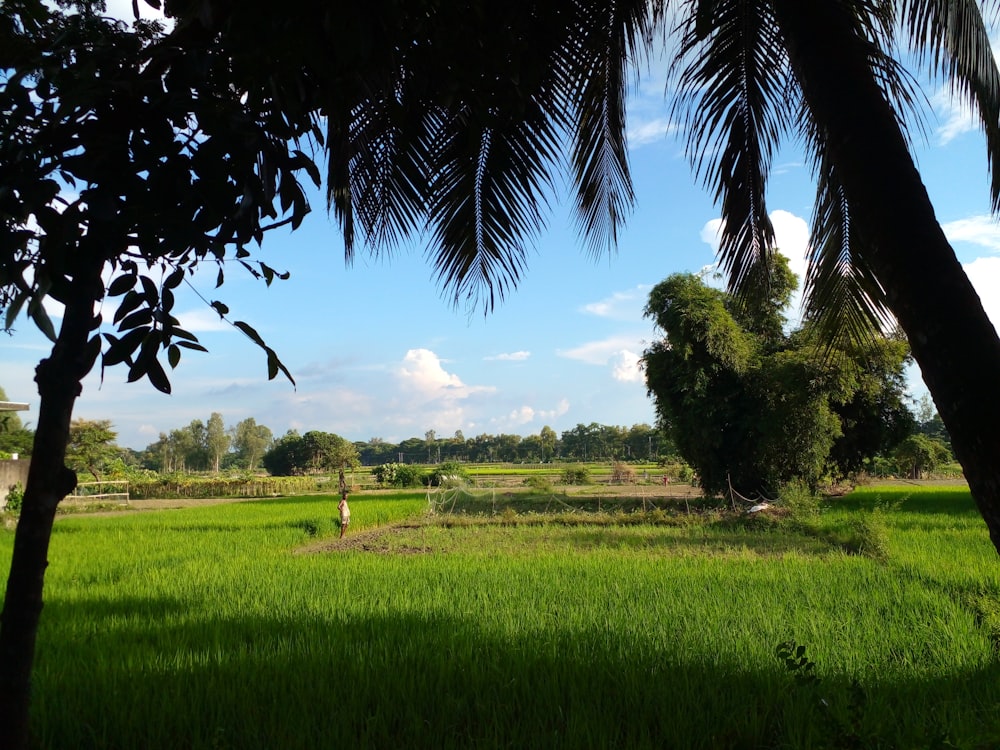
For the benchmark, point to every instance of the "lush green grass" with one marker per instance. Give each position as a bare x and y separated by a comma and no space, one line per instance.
201,628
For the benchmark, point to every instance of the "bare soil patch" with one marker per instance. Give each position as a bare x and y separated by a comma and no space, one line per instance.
369,540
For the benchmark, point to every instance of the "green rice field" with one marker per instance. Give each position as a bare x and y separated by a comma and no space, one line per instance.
248,625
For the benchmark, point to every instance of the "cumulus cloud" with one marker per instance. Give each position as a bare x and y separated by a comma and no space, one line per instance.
710,234
626,367
791,237
508,357
626,305
984,273
978,230
421,375
616,352
561,408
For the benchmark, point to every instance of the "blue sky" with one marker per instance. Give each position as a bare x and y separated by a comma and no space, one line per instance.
377,351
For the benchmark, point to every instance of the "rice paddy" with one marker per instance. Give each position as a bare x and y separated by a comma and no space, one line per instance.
248,625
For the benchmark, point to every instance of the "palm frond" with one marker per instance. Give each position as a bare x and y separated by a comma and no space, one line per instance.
388,171
952,36
491,179
842,297
338,176
611,38
735,104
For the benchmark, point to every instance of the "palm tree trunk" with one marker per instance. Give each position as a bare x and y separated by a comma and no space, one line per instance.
49,481
952,339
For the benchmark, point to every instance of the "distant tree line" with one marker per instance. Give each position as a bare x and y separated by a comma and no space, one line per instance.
919,443
593,442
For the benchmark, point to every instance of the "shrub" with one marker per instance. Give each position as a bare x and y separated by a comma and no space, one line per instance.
15,498
449,474
871,538
801,501
408,475
385,474
622,473
576,475
539,483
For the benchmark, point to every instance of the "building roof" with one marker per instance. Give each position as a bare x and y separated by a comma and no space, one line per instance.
13,406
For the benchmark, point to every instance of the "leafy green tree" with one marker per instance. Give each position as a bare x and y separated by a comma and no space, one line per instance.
196,439
921,454
17,441
282,458
9,421
550,442
414,450
314,452
929,422
91,446
376,452
217,440
14,436
251,441
749,406
173,160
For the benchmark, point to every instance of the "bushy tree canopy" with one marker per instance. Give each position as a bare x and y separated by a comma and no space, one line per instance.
312,453
748,404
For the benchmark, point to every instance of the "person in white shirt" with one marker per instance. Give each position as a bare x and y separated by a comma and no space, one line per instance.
345,513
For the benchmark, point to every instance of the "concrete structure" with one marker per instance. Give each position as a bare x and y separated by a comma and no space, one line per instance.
13,470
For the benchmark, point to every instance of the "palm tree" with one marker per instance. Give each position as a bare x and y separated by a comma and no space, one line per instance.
750,73
753,72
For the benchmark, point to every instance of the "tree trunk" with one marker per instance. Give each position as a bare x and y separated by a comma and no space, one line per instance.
49,481
952,339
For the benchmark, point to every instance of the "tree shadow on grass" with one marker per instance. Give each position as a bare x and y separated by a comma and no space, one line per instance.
139,680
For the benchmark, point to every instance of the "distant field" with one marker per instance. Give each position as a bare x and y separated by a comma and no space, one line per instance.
515,622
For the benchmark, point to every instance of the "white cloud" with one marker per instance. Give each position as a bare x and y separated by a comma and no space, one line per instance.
521,416
122,9
422,376
791,238
710,234
620,305
984,273
978,230
201,320
626,367
955,115
616,352
561,408
599,352
526,415
508,357
649,131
